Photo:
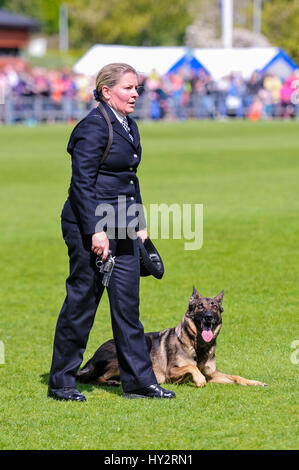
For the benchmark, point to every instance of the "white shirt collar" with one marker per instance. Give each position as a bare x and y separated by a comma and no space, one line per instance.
118,116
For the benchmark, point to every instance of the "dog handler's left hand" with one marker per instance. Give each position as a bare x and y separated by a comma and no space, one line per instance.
143,235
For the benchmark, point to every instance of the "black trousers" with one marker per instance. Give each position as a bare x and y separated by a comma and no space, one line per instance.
84,291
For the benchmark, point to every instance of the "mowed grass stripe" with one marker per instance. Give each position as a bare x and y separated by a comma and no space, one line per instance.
245,175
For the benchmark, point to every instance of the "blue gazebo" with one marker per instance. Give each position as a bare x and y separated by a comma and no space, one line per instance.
188,61
281,64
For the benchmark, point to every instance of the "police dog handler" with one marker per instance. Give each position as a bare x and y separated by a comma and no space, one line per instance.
93,185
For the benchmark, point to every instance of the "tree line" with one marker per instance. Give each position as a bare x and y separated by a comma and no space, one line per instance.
152,22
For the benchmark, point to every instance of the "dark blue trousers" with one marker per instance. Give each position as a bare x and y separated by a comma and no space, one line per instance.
84,291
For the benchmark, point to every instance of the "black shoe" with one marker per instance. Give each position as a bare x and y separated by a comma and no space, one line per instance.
66,393
152,391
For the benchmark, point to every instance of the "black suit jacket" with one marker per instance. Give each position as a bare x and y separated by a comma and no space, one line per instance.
92,185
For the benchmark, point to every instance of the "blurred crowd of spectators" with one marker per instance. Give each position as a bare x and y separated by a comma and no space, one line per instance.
19,80
262,96
178,95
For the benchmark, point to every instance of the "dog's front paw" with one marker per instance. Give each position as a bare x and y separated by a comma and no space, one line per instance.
201,382
258,383
252,382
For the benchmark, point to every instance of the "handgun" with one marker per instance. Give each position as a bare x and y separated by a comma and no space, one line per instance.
106,267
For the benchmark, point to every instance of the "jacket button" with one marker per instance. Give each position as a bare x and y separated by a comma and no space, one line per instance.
131,182
131,168
132,198
135,155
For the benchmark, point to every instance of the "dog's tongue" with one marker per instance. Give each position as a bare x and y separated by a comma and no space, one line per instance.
207,335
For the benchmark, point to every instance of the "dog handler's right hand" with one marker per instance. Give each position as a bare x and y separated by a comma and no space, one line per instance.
100,244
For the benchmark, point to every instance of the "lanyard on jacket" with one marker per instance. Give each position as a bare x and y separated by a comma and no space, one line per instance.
110,138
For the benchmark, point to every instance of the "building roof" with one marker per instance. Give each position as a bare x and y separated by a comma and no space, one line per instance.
10,20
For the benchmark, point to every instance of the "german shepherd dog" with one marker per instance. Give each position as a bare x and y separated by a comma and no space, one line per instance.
180,354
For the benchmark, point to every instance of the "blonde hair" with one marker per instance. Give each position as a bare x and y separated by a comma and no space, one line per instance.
109,75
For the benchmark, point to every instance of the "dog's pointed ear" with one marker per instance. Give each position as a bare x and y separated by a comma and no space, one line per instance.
219,299
195,292
192,301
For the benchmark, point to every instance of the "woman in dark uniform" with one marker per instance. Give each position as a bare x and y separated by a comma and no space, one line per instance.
88,235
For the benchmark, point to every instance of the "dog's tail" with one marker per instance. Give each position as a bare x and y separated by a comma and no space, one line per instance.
87,373
102,360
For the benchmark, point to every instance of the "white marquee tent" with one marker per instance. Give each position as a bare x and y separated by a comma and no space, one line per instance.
143,59
222,62
218,62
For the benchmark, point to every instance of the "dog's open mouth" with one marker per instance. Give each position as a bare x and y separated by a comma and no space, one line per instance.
207,335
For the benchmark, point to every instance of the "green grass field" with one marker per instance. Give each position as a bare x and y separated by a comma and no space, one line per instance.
246,176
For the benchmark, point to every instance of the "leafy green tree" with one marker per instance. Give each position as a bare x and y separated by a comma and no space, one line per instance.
142,22
155,22
280,23
47,12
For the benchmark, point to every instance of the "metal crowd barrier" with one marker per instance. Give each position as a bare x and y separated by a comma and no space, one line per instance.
35,109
